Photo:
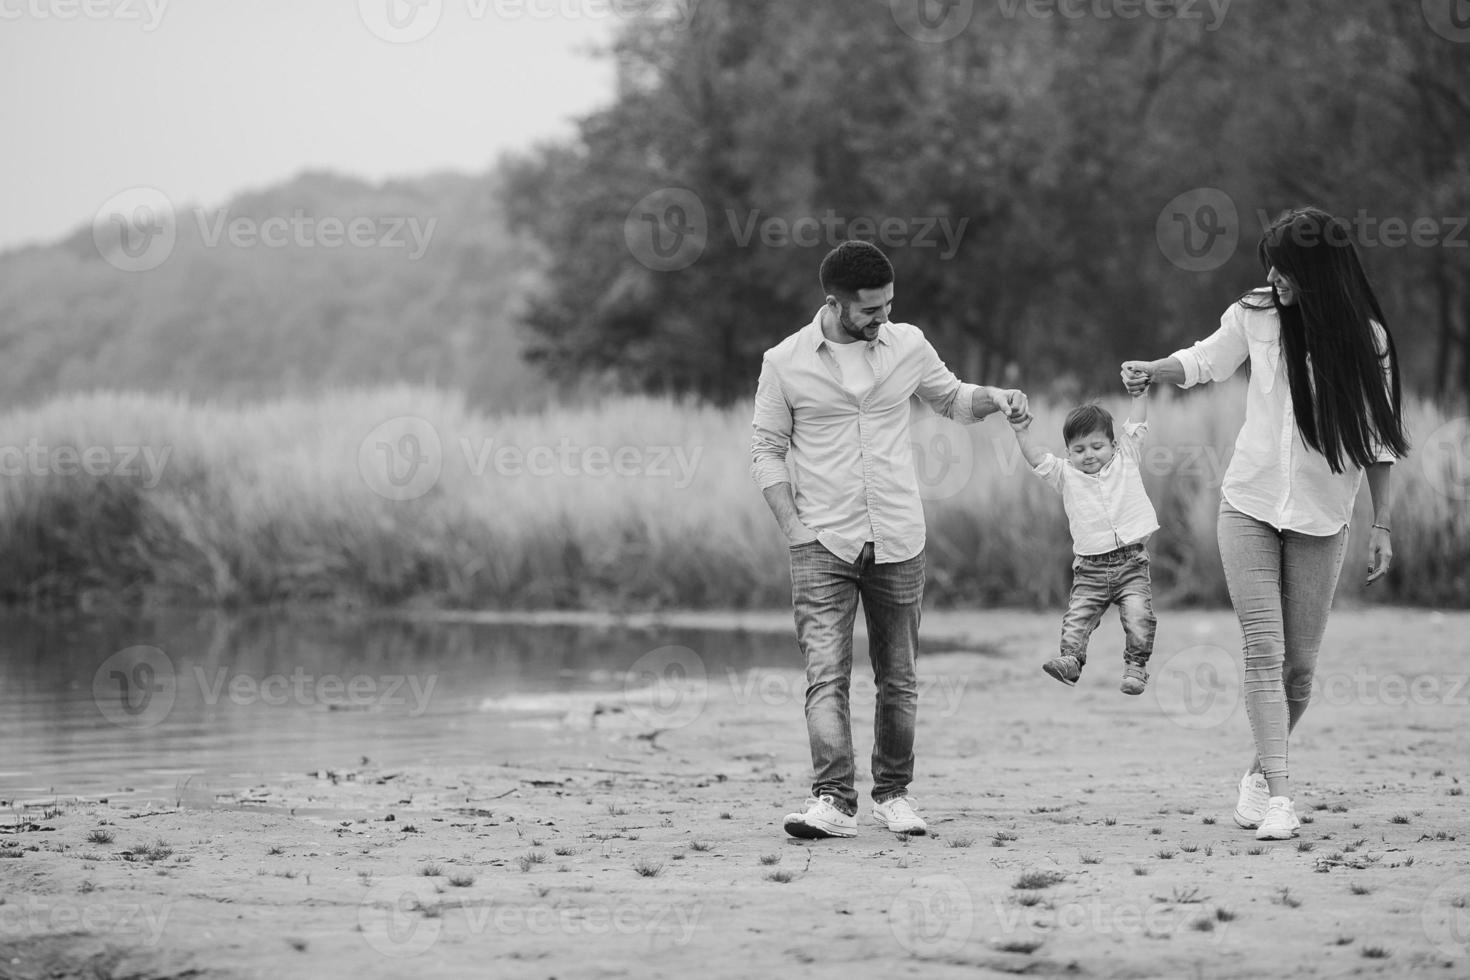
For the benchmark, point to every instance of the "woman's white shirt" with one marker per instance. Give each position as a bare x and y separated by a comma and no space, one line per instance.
1274,476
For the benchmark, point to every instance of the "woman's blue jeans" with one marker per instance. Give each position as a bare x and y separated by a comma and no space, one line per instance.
824,593
1281,584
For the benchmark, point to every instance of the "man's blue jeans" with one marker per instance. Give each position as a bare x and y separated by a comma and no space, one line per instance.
824,593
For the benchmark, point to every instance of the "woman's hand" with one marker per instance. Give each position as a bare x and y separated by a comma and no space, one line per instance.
1137,376
1380,554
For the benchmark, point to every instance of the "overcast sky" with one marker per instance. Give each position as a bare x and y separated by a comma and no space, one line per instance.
203,99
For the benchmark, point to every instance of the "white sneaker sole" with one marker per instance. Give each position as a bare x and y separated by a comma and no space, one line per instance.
914,830
1285,833
798,826
1246,823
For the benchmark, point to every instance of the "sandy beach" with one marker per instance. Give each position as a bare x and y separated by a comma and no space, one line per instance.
1073,832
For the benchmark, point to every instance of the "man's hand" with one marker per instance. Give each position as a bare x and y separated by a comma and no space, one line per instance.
800,534
1011,402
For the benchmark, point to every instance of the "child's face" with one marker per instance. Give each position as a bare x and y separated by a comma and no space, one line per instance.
1092,451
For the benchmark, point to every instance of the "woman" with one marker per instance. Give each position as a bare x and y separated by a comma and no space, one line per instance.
1322,408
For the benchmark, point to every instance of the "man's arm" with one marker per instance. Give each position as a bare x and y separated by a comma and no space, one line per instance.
782,501
1011,401
943,392
768,446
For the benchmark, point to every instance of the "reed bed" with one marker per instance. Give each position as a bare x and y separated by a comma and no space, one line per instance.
406,496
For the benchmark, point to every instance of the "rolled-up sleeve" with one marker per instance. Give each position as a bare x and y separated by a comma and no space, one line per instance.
1133,436
772,425
1217,356
1050,472
943,392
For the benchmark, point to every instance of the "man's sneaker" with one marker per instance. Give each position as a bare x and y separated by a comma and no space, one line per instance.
1280,822
1135,678
898,816
1250,808
1065,668
821,819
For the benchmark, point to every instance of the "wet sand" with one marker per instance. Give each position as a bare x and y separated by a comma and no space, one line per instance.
1073,832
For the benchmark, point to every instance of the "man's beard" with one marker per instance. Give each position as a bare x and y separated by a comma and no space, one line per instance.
848,326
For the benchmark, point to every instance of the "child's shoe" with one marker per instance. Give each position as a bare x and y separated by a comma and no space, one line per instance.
1065,668
1135,678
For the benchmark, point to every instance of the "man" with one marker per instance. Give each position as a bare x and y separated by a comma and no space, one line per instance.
835,395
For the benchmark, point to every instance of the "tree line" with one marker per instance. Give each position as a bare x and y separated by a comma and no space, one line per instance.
1059,186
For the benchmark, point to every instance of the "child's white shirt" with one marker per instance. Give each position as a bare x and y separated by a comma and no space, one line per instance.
1110,510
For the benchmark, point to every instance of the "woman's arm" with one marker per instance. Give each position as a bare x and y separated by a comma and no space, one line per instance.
1213,359
1138,375
1380,543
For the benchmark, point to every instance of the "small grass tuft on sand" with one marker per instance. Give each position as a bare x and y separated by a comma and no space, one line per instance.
1039,879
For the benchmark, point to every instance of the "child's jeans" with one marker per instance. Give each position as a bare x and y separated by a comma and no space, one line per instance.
1098,581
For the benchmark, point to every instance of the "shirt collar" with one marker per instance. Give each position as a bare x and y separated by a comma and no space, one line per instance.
816,338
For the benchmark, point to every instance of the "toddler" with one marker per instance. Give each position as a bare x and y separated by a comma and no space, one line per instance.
1111,518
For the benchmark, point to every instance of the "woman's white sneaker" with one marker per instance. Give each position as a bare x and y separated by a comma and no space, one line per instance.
898,816
1280,822
821,819
1250,808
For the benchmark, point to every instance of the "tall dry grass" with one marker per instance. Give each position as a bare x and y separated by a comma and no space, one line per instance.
287,501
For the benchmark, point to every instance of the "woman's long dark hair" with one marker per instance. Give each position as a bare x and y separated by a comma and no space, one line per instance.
1344,409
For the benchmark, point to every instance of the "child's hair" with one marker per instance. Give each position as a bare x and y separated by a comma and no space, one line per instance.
1084,419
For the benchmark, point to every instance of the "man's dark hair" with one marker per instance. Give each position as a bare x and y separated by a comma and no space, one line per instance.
852,266
1084,419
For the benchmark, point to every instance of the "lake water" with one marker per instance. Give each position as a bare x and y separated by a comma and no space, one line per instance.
137,708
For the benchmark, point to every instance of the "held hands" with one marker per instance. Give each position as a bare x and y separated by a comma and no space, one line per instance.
1380,553
1137,376
1012,402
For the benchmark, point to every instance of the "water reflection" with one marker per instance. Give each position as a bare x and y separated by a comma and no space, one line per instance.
135,707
